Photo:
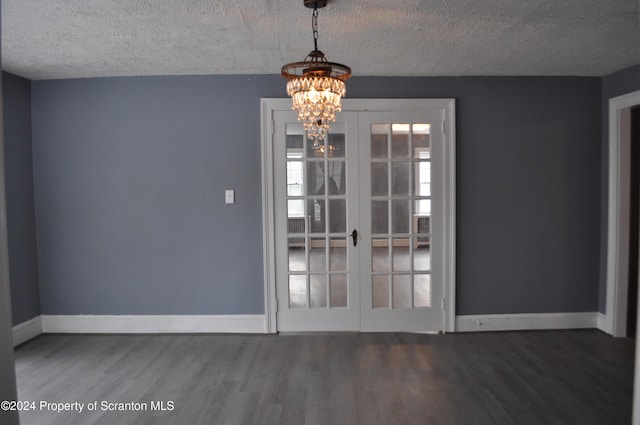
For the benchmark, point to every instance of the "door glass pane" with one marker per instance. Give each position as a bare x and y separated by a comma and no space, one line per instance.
379,141
337,178
400,178
421,222
379,179
422,290
338,254
402,291
315,178
337,215
318,290
380,255
317,215
294,141
400,141
422,185
297,291
295,215
421,145
421,253
379,217
296,254
338,290
336,141
421,243
317,254
400,254
400,216
294,178
422,208
380,291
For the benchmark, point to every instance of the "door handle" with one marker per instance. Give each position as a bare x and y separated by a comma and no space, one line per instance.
354,235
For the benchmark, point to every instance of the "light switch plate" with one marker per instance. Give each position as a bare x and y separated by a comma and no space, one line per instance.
229,196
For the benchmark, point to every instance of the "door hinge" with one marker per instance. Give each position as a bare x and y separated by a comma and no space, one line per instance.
273,127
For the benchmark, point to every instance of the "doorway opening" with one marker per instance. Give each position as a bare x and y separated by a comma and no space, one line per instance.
360,235
622,246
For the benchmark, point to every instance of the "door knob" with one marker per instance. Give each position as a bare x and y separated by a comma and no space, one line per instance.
354,235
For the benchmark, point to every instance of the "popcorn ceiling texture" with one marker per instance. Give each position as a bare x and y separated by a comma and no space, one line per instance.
50,39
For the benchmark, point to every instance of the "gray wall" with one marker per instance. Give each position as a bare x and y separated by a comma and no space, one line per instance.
130,174
616,84
129,180
23,260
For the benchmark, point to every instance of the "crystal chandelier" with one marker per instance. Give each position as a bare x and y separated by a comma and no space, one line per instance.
316,85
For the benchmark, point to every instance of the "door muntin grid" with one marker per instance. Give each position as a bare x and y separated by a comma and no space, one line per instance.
400,216
317,220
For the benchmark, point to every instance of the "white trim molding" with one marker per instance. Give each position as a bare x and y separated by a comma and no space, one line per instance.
618,216
159,324
26,331
525,322
267,106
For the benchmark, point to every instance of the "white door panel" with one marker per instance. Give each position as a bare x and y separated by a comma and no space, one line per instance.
316,191
401,221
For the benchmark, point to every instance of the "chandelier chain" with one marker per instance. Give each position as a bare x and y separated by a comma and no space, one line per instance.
314,27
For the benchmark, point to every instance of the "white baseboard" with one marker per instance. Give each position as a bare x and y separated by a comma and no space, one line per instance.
25,331
520,322
603,323
256,323
134,324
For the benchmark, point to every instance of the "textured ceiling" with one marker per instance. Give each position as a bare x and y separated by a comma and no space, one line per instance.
43,39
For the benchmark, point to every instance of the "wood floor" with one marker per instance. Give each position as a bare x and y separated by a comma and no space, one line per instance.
527,378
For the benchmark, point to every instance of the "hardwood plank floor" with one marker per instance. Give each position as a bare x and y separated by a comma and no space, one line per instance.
525,378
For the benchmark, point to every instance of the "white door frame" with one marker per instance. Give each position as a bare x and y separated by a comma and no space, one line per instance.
268,105
618,220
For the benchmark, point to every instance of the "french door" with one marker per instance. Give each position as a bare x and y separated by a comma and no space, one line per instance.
401,219
316,208
359,222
